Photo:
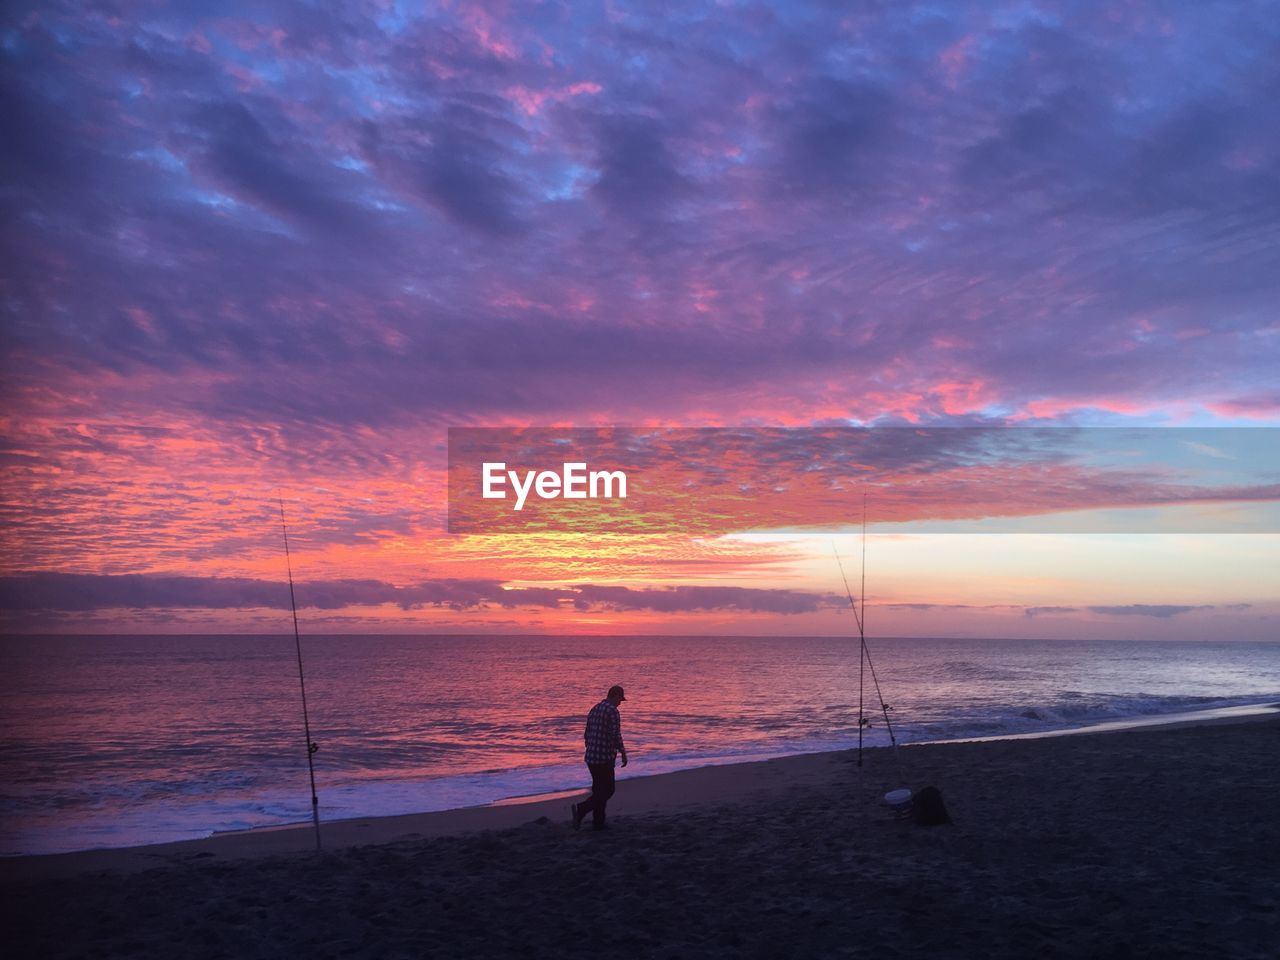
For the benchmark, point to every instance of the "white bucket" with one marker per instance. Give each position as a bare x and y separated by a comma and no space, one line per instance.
899,801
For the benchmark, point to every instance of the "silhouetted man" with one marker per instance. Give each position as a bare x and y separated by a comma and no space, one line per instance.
604,742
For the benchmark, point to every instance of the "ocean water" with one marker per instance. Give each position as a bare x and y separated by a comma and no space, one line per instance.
119,740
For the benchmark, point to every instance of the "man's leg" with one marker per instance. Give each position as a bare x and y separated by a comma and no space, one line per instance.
602,786
580,810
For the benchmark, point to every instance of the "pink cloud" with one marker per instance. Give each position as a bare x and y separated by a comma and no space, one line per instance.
955,60
532,101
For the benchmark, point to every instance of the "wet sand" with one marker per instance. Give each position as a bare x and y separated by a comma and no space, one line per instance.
1152,842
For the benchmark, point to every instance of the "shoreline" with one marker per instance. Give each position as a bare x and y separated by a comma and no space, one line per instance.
642,795
1217,715
1158,841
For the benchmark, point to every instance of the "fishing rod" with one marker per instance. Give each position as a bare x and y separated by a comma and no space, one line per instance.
312,746
864,653
862,648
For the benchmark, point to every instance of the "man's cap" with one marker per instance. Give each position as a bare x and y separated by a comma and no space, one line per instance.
617,691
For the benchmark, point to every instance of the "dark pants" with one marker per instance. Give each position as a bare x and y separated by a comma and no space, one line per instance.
601,791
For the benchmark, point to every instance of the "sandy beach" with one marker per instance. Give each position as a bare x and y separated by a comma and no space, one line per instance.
1155,842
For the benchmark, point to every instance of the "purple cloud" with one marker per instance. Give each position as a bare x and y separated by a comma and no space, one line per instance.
79,592
304,236
325,177
1162,610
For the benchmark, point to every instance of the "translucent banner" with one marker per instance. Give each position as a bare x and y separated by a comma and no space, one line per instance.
716,481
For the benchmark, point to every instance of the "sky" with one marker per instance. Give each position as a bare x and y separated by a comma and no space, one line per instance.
262,250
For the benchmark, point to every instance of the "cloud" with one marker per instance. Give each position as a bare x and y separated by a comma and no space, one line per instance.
1044,611
684,599
1158,610
1161,610
832,137
636,172
277,238
259,168
457,160
81,592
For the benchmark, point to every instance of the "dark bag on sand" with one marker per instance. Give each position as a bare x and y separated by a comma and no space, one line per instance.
927,808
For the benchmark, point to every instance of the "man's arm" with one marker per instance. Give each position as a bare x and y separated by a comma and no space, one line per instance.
617,732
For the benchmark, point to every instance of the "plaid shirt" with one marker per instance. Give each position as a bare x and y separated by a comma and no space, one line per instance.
604,733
